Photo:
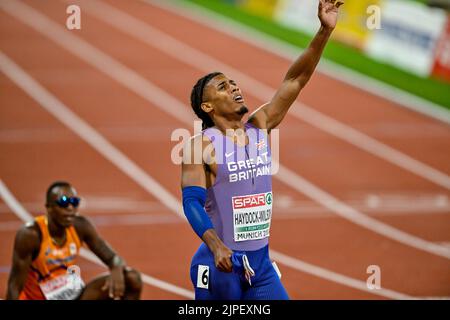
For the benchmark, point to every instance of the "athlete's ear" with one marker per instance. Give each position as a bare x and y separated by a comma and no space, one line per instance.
207,107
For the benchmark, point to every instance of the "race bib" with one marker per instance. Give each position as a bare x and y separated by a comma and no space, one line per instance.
251,216
65,287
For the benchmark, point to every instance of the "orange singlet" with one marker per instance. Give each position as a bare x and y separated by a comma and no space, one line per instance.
48,277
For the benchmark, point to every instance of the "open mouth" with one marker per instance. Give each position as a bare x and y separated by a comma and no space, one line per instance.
238,99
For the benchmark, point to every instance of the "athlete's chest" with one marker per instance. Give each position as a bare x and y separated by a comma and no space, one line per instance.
229,161
53,255
241,165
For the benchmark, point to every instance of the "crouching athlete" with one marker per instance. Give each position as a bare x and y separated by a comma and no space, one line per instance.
46,251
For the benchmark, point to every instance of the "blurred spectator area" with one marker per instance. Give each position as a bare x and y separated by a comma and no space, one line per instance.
444,4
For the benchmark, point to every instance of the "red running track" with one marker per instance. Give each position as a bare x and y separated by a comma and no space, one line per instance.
36,148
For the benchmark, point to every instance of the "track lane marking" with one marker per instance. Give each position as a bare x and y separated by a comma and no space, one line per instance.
25,216
108,65
42,96
202,61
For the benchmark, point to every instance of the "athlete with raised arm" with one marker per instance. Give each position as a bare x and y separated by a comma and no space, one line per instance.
227,188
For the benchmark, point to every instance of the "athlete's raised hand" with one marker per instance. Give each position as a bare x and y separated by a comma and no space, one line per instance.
270,114
328,12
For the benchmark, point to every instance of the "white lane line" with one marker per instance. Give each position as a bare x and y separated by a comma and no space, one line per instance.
201,61
400,204
13,68
335,277
20,211
135,219
146,278
445,244
113,68
20,84
380,204
88,53
87,133
119,133
140,220
101,204
283,49
340,208
299,211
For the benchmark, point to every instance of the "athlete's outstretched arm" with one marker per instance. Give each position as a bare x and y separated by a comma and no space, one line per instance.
25,245
193,185
269,115
88,234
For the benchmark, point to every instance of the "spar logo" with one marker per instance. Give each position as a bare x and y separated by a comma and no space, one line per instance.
254,200
269,198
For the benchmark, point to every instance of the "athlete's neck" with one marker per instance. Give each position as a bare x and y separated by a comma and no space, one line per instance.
224,124
234,130
56,232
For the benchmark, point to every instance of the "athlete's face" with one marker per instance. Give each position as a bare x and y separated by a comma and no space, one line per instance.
223,97
61,208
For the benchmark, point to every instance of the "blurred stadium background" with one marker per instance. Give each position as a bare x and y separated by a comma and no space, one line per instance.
365,154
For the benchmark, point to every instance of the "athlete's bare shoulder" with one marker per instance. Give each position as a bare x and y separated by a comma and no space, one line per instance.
28,238
198,162
194,149
259,118
201,138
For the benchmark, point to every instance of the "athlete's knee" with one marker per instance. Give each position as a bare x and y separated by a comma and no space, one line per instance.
133,279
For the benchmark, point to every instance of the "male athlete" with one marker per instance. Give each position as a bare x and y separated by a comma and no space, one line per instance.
45,253
227,194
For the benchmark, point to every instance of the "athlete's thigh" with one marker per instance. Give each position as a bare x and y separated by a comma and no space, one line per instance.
210,283
267,287
93,289
269,291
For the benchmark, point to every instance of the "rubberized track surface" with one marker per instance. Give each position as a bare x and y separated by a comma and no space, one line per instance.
136,94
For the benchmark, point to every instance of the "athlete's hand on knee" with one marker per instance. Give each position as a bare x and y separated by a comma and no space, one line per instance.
115,283
222,258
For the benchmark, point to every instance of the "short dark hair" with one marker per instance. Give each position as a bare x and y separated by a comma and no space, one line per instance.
56,184
197,99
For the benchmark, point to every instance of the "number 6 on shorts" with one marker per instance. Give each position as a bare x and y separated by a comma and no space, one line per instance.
203,277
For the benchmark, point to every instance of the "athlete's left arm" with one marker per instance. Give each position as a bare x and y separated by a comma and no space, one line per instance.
88,234
269,115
